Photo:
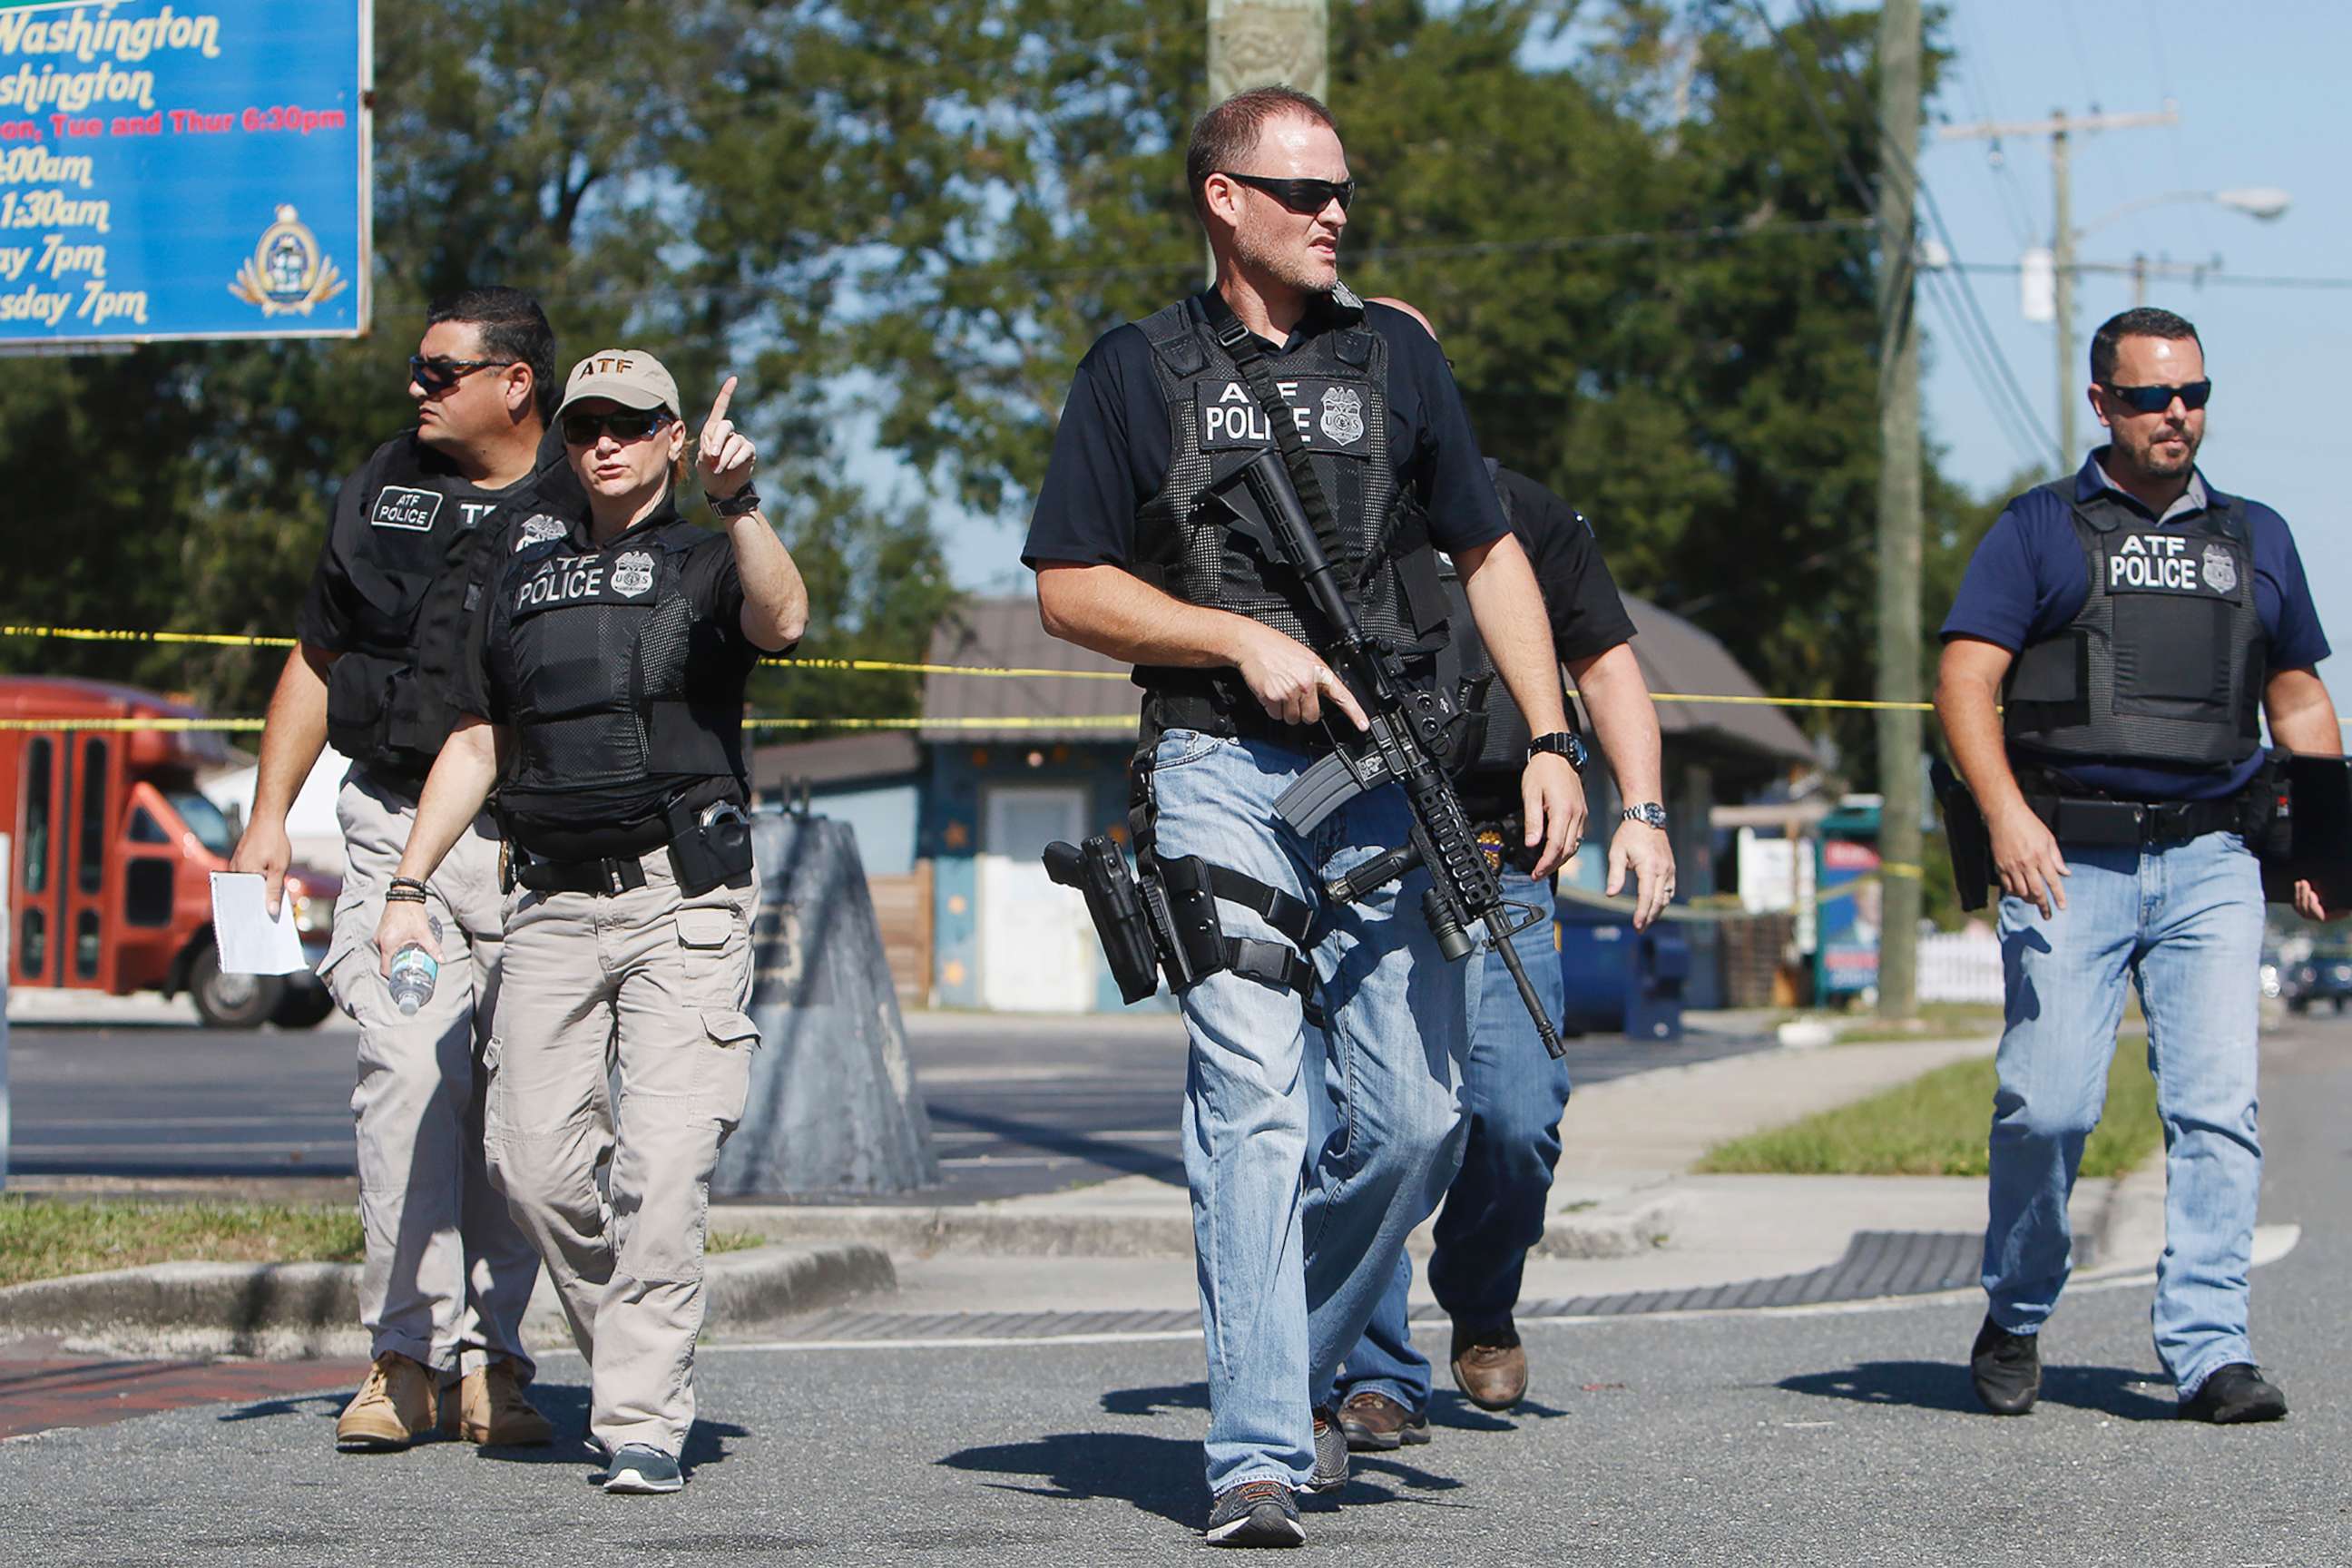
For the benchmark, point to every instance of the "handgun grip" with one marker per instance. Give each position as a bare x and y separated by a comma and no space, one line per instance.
1065,863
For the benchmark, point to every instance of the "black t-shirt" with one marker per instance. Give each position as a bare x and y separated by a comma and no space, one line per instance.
333,607
720,660
1588,616
1112,451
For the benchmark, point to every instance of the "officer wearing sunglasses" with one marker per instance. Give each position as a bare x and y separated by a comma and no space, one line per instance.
448,1272
2118,639
1137,558
616,645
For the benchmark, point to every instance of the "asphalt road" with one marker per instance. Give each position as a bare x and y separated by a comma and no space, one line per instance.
1017,1105
1840,1437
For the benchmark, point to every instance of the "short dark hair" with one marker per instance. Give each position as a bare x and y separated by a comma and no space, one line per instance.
1227,134
513,327
2140,322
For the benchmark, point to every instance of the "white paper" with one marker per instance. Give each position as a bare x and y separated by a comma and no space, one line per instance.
250,942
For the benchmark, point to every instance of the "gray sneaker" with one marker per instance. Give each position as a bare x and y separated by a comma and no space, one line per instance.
639,1468
1255,1513
1330,1454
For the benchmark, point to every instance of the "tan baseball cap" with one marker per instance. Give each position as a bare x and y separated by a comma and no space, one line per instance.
630,377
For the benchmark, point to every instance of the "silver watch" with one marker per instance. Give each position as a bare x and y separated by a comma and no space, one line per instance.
1649,814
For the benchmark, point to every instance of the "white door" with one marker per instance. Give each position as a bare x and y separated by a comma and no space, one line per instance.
1037,947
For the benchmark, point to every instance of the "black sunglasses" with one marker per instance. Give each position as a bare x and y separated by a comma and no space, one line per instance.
439,375
625,424
2157,399
1305,197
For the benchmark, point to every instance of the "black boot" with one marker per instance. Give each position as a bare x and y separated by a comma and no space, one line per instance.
2233,1394
2006,1369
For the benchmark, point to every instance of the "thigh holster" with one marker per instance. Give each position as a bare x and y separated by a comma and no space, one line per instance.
1192,887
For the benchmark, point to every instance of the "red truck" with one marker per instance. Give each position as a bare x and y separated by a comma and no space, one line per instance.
113,847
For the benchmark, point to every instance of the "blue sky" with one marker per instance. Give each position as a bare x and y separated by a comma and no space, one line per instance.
2259,95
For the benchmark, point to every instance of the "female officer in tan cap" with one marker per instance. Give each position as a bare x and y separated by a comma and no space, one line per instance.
615,647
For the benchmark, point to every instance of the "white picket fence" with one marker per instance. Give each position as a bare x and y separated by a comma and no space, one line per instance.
1962,966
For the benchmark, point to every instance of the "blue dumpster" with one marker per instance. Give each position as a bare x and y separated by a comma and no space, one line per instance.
1618,980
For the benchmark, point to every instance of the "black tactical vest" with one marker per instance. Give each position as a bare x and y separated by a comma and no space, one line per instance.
2165,662
1492,772
590,650
417,548
1337,387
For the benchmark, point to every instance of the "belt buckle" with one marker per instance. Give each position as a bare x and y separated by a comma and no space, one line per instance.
613,884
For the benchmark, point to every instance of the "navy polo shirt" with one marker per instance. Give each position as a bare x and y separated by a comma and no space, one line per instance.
1112,450
2028,581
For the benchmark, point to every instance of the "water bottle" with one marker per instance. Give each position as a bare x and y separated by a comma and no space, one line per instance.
414,968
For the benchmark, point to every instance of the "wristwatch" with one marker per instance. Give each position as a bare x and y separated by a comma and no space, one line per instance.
741,503
1649,813
1559,744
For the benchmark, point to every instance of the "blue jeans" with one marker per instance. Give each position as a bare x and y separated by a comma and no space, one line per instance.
2186,924
1495,1212
1293,1242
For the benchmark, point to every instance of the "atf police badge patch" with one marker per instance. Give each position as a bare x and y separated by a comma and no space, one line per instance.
406,507
632,574
2220,571
1343,414
537,529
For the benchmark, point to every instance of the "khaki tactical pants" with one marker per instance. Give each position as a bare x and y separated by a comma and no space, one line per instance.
653,985
448,1272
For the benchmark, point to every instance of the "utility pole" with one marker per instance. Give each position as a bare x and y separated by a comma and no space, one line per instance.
2061,129
1899,743
1265,43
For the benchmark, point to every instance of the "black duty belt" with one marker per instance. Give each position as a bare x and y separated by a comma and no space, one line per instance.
610,876
2098,820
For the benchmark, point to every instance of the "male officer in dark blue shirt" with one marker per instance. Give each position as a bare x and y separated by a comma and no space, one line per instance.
2114,646
1137,556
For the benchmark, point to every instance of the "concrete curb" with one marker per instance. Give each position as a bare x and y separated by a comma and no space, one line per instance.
1077,1232
295,1310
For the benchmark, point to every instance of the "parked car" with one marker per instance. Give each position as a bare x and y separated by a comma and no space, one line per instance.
2324,976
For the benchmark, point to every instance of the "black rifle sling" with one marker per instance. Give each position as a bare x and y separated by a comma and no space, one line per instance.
1249,356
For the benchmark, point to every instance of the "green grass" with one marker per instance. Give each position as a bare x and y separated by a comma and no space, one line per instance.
734,1241
42,1238
1936,1125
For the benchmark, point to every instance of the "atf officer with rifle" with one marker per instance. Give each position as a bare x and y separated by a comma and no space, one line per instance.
2117,640
1246,490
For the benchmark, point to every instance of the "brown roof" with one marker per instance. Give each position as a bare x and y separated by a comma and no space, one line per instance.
1676,657
1675,654
840,759
1006,633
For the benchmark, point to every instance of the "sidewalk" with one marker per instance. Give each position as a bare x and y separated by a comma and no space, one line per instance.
1627,1214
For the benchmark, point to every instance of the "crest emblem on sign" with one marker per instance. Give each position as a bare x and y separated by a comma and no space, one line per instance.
2220,571
1343,414
632,574
538,529
288,273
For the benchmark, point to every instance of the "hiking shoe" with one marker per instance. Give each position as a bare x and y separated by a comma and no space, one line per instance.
1255,1513
2234,1393
399,1402
1489,1366
2006,1369
1375,1424
641,1468
1330,1455
491,1409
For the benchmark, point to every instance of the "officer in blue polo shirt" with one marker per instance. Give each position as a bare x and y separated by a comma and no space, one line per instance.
2114,646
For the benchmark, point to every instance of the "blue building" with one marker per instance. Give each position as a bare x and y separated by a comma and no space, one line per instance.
951,819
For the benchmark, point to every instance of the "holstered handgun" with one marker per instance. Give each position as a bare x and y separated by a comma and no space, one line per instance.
1965,835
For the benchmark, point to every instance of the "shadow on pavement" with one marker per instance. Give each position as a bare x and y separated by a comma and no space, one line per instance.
1453,1413
1944,1386
1047,1138
565,1404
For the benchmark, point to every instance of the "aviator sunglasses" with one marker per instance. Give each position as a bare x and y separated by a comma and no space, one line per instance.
439,375
626,425
1304,196
2157,399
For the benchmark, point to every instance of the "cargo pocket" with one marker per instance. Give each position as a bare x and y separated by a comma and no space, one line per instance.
703,938
729,1039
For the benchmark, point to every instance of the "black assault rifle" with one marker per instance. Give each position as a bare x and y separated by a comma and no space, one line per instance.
1406,744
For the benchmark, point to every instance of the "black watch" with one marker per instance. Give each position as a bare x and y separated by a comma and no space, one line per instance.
1559,744
742,502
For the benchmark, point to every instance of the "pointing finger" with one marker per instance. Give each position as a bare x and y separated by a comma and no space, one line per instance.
726,396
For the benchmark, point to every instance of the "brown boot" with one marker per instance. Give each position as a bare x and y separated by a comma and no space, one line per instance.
1375,1424
398,1403
1489,1367
492,1409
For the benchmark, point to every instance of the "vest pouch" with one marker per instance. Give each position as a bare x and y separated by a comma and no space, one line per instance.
359,698
2172,654
2049,686
708,847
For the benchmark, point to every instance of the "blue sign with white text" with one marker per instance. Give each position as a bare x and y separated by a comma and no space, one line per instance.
182,171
